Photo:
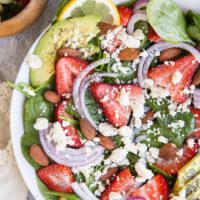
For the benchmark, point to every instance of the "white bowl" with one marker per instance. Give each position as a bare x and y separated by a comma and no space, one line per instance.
17,111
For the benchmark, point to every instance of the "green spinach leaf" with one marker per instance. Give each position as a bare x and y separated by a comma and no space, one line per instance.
26,141
168,21
194,32
132,158
71,109
64,195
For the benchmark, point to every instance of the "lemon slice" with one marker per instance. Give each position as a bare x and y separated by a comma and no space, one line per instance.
106,9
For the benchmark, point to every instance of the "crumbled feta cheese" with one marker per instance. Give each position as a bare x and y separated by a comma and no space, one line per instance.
159,92
142,148
29,91
34,61
115,196
96,139
125,131
179,152
163,139
65,123
154,152
118,155
107,129
123,98
41,124
177,77
148,83
138,34
190,143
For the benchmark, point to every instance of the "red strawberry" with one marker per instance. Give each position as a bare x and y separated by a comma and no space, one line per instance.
162,76
57,177
123,182
174,165
125,14
107,96
72,132
195,134
196,113
156,189
153,36
67,69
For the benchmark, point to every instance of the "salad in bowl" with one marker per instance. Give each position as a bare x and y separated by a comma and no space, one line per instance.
113,103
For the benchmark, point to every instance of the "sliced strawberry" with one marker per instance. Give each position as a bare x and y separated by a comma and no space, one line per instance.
162,76
195,135
123,182
107,96
125,14
196,113
57,177
153,36
156,189
72,132
172,166
67,69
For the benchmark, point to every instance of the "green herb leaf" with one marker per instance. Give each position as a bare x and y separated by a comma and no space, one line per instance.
64,195
168,21
132,158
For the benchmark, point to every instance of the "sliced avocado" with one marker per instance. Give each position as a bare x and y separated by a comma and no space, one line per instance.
189,171
194,196
53,40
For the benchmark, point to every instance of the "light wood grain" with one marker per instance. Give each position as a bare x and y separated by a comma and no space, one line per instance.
24,19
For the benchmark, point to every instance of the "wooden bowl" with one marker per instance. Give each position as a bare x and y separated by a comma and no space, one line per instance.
24,19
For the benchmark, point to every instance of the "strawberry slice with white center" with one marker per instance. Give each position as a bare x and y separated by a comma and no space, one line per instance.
71,131
196,113
156,189
164,73
108,97
57,177
67,69
172,166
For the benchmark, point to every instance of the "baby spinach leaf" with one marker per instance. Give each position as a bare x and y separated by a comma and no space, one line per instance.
168,21
194,32
64,195
26,141
71,109
36,107
153,104
132,158
79,177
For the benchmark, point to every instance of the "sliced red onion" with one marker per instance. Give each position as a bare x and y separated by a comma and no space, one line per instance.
87,191
84,87
79,79
196,98
70,157
138,16
135,198
78,190
145,62
140,4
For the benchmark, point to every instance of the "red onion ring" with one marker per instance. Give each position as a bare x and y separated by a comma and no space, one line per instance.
146,61
196,98
84,86
140,4
78,190
87,191
137,16
70,157
135,198
79,79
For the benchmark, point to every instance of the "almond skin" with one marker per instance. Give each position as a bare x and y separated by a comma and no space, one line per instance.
38,155
69,52
111,171
196,78
168,151
106,142
87,129
52,97
129,54
105,27
170,54
149,116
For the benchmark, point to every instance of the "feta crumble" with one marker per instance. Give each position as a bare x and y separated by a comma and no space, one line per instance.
107,129
115,196
118,155
177,77
41,124
123,98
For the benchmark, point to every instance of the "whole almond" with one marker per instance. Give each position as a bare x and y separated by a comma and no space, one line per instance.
105,27
106,142
111,171
52,97
168,151
149,116
196,78
129,54
69,52
87,129
170,54
38,155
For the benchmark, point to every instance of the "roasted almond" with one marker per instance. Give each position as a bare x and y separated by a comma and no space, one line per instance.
149,116
38,155
129,54
111,171
87,129
69,52
170,54
106,142
196,78
168,151
105,27
52,97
